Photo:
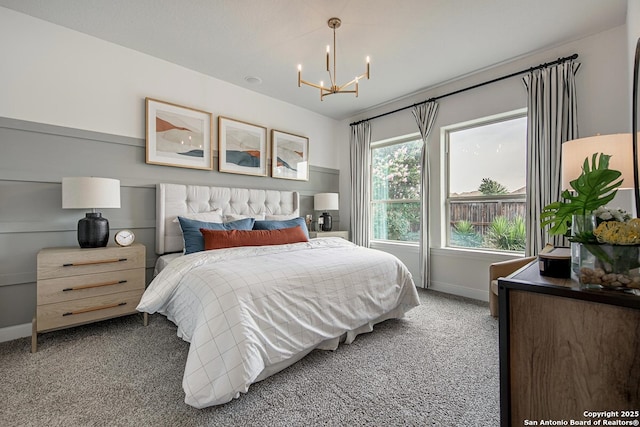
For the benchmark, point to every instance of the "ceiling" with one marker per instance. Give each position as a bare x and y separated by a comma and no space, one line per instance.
413,44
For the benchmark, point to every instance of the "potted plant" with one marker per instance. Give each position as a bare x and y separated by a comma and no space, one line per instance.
613,240
595,187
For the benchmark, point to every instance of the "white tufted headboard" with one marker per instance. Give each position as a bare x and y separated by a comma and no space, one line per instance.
180,199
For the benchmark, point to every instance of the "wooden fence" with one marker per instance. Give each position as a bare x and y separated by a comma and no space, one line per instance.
482,213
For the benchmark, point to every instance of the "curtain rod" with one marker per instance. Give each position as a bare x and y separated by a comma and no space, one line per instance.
548,64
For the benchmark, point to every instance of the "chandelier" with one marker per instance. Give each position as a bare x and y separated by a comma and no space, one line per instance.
333,88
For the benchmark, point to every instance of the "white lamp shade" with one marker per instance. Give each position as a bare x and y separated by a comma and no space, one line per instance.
618,146
326,202
90,193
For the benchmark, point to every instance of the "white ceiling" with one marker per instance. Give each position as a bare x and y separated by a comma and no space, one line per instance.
413,44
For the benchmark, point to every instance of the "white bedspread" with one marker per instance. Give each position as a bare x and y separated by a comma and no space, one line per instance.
249,310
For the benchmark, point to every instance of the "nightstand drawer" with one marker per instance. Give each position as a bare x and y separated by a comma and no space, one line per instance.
92,285
65,262
86,310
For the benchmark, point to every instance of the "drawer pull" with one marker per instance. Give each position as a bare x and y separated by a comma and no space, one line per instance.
94,285
104,261
87,310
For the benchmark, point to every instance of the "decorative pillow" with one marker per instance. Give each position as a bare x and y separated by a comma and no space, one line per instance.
280,217
220,239
235,217
193,240
276,225
211,216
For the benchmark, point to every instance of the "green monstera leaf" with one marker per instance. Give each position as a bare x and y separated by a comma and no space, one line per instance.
595,187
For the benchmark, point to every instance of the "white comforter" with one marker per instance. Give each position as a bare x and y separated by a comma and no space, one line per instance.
249,312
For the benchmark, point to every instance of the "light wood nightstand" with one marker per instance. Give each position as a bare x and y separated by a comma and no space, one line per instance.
77,286
315,234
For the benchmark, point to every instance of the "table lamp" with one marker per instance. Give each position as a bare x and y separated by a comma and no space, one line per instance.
618,146
91,193
326,202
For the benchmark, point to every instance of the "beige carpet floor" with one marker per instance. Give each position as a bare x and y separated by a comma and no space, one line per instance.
436,367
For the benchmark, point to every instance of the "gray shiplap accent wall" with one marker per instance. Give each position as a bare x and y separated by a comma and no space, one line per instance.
33,159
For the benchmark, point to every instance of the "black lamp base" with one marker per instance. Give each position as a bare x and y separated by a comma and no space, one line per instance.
326,221
93,231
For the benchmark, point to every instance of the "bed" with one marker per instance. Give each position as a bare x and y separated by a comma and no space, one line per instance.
250,311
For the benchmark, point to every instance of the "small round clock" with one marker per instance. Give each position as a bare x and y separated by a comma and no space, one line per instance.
124,237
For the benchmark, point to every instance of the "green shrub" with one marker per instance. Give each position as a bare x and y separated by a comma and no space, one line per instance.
463,234
506,235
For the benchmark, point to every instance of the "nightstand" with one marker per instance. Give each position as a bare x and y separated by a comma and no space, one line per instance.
78,286
343,234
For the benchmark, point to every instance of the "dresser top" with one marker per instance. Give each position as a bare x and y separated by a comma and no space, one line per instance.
529,279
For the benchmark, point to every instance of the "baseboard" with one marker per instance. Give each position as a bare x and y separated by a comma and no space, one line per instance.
462,291
14,332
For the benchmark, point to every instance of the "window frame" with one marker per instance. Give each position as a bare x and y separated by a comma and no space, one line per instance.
382,144
445,136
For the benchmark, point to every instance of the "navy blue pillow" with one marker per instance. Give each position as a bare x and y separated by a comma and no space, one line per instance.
276,225
193,239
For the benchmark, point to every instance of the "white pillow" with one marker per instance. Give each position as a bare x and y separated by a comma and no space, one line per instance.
210,216
235,217
281,217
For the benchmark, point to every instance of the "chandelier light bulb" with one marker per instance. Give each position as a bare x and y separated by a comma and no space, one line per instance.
328,61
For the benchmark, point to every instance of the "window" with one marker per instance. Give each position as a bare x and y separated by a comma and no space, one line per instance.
395,177
487,183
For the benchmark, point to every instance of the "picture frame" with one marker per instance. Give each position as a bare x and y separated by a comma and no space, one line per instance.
289,156
242,147
178,136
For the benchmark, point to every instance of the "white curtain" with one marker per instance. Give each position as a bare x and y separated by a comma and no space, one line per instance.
425,115
551,120
360,143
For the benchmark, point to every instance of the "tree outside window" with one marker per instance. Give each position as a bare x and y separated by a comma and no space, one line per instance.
396,190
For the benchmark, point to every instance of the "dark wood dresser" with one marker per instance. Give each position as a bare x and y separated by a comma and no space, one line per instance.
565,352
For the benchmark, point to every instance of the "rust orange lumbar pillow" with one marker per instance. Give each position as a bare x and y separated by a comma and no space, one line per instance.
220,239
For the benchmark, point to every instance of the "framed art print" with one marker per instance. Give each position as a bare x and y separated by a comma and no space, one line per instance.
290,156
242,147
178,136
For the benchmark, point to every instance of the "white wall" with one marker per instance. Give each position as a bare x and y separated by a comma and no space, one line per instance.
602,91
54,75
633,33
